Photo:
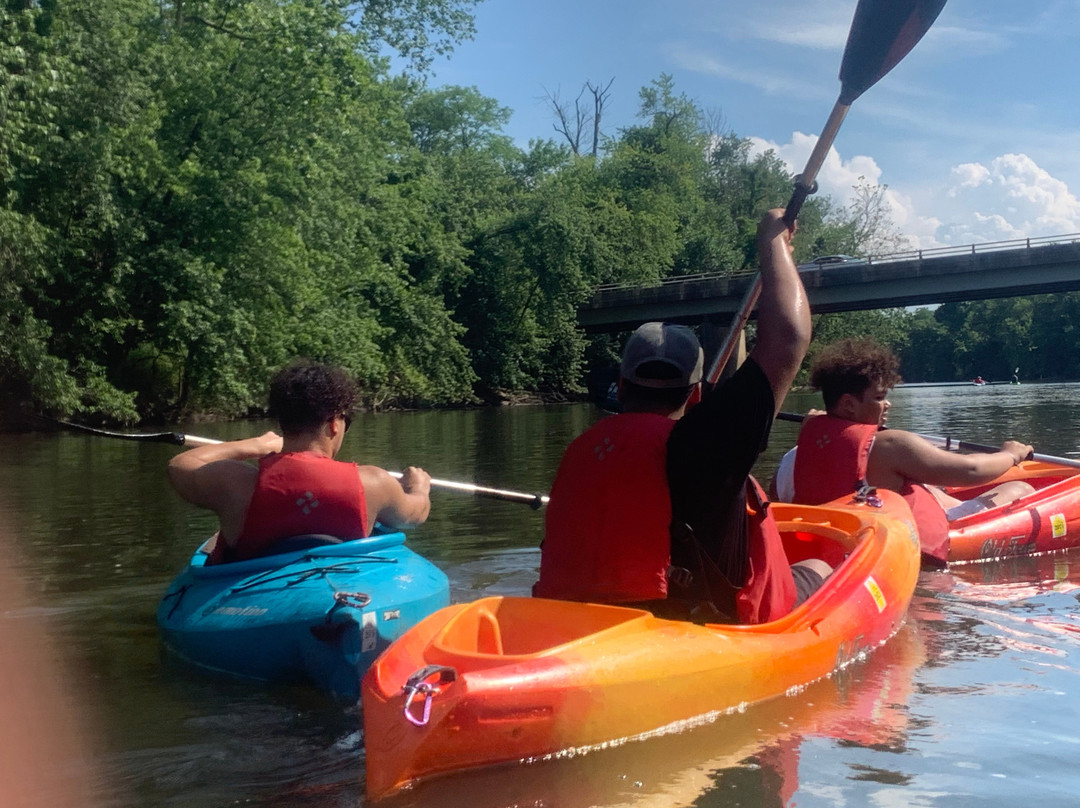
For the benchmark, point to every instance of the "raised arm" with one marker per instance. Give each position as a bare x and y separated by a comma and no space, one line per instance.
399,504
898,455
783,324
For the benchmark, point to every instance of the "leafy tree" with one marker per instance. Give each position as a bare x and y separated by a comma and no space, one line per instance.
196,191
928,355
418,30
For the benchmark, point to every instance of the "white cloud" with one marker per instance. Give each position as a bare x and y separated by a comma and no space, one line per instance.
969,175
836,177
686,56
1010,197
816,34
816,24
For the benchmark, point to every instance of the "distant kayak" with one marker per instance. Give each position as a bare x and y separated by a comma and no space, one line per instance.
505,679
319,615
1044,521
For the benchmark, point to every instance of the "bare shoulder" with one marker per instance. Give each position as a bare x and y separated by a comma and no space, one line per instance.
914,457
900,440
214,485
374,477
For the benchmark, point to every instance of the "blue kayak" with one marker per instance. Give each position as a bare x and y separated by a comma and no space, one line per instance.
318,615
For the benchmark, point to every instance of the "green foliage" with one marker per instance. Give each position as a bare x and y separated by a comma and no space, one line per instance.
193,192
889,327
959,341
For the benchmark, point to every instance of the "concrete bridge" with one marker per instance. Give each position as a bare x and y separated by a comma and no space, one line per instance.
920,277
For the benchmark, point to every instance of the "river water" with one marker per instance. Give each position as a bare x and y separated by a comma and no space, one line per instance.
973,703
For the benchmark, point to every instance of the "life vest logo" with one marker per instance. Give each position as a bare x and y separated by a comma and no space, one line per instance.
604,448
307,503
876,593
1057,522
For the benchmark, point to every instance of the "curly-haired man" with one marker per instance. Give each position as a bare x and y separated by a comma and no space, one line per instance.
846,448
297,488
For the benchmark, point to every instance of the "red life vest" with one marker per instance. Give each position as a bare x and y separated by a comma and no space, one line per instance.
299,493
831,458
606,533
831,463
769,590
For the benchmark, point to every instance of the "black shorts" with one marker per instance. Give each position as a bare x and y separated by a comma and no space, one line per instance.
807,582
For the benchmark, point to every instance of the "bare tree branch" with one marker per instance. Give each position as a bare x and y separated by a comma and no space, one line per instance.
600,95
570,123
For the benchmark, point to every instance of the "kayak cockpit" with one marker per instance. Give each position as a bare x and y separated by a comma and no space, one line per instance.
829,534
526,627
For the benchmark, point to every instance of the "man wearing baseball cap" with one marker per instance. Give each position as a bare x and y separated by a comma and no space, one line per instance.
671,472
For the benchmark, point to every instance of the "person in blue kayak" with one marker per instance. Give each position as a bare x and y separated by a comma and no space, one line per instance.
649,507
847,447
297,487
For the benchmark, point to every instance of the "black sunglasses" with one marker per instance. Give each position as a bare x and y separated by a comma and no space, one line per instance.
348,420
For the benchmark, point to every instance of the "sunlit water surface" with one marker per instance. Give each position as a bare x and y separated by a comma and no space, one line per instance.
973,703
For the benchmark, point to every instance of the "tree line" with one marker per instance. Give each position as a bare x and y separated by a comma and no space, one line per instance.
192,192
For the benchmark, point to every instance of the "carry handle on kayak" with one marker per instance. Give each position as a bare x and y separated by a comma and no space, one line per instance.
418,684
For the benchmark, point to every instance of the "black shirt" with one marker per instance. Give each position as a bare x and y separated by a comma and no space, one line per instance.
709,454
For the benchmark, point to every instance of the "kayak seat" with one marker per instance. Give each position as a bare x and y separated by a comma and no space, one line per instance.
805,540
294,544
488,635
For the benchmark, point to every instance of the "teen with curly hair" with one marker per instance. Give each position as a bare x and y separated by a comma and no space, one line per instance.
297,488
847,447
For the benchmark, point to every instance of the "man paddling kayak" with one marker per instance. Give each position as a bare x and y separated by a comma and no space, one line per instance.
298,488
666,481
846,448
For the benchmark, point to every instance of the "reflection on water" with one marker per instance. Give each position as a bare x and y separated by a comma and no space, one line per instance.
971,704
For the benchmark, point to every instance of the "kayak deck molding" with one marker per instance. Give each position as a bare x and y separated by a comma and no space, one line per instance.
517,679
319,615
1045,521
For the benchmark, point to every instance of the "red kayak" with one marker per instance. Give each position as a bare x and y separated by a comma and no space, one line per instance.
1044,521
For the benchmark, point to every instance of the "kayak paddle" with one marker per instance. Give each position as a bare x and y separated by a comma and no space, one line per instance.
882,33
535,501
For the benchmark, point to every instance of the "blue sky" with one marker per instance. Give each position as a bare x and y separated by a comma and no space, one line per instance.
976,132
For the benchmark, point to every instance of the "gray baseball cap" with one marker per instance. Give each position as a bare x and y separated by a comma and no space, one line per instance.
673,345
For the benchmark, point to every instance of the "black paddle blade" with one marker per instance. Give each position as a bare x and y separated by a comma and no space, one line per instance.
882,33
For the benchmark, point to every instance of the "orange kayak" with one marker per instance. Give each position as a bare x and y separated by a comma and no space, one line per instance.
506,679
1044,521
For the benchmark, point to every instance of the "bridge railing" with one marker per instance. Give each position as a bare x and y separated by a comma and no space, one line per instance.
906,255
971,249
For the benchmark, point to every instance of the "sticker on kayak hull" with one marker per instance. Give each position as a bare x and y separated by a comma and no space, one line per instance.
369,636
876,593
1057,522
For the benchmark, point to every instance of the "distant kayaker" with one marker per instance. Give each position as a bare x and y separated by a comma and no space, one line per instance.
297,488
846,447
663,486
